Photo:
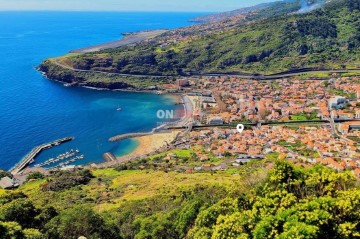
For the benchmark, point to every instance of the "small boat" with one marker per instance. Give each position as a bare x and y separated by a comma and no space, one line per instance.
119,109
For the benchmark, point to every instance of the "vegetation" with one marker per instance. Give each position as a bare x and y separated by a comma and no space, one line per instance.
325,38
99,80
65,179
286,202
5,174
262,199
34,176
299,148
304,116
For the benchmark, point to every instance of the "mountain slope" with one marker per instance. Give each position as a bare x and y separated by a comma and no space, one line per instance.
326,38
224,15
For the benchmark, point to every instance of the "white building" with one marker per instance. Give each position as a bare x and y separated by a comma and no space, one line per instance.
337,102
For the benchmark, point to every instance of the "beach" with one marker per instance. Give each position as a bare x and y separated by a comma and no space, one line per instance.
151,143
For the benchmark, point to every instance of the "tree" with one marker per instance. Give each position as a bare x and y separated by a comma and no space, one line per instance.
35,175
21,211
11,230
79,221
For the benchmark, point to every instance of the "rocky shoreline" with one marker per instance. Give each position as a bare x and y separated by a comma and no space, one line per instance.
71,78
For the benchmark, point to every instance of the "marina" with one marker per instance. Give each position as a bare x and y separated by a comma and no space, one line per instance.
67,158
30,157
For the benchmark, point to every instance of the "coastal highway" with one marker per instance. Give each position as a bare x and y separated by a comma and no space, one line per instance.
253,76
129,39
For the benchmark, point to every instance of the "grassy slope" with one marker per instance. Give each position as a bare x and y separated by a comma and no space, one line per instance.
155,204
116,188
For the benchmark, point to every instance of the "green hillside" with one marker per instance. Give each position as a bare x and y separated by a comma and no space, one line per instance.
251,202
326,38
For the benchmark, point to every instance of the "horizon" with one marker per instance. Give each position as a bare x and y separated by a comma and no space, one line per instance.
200,6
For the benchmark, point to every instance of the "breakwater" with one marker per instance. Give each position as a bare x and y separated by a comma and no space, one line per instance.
128,136
30,157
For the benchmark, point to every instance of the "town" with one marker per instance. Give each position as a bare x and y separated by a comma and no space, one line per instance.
314,120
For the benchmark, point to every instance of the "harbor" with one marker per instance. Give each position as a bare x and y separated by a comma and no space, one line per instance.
30,157
63,159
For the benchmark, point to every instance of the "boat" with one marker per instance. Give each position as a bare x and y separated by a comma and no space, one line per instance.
119,109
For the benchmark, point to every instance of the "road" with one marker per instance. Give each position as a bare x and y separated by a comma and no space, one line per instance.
307,122
253,76
104,72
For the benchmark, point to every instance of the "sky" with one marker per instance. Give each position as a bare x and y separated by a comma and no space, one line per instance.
128,5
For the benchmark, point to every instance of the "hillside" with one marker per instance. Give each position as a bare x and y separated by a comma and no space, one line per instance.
224,15
325,38
252,202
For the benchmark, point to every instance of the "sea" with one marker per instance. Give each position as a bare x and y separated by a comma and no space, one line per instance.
35,110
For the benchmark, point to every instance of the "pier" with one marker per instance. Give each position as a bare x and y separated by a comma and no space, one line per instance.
30,157
109,157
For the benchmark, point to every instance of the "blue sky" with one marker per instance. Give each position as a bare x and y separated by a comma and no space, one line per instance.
128,5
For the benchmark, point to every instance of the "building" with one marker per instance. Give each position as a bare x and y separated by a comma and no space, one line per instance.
182,83
357,114
8,183
346,127
337,102
216,121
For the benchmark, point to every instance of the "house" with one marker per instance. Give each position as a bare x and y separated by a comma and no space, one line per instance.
216,121
207,166
182,82
242,160
71,167
220,167
8,183
357,172
343,128
203,158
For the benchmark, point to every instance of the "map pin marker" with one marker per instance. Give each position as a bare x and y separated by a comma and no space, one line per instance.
240,128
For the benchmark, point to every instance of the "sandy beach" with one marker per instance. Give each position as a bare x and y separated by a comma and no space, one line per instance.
150,143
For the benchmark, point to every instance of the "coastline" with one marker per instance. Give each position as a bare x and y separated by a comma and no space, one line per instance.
42,116
151,143
147,144
131,90
129,38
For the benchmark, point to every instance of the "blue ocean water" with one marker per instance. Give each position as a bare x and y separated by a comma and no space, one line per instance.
35,110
